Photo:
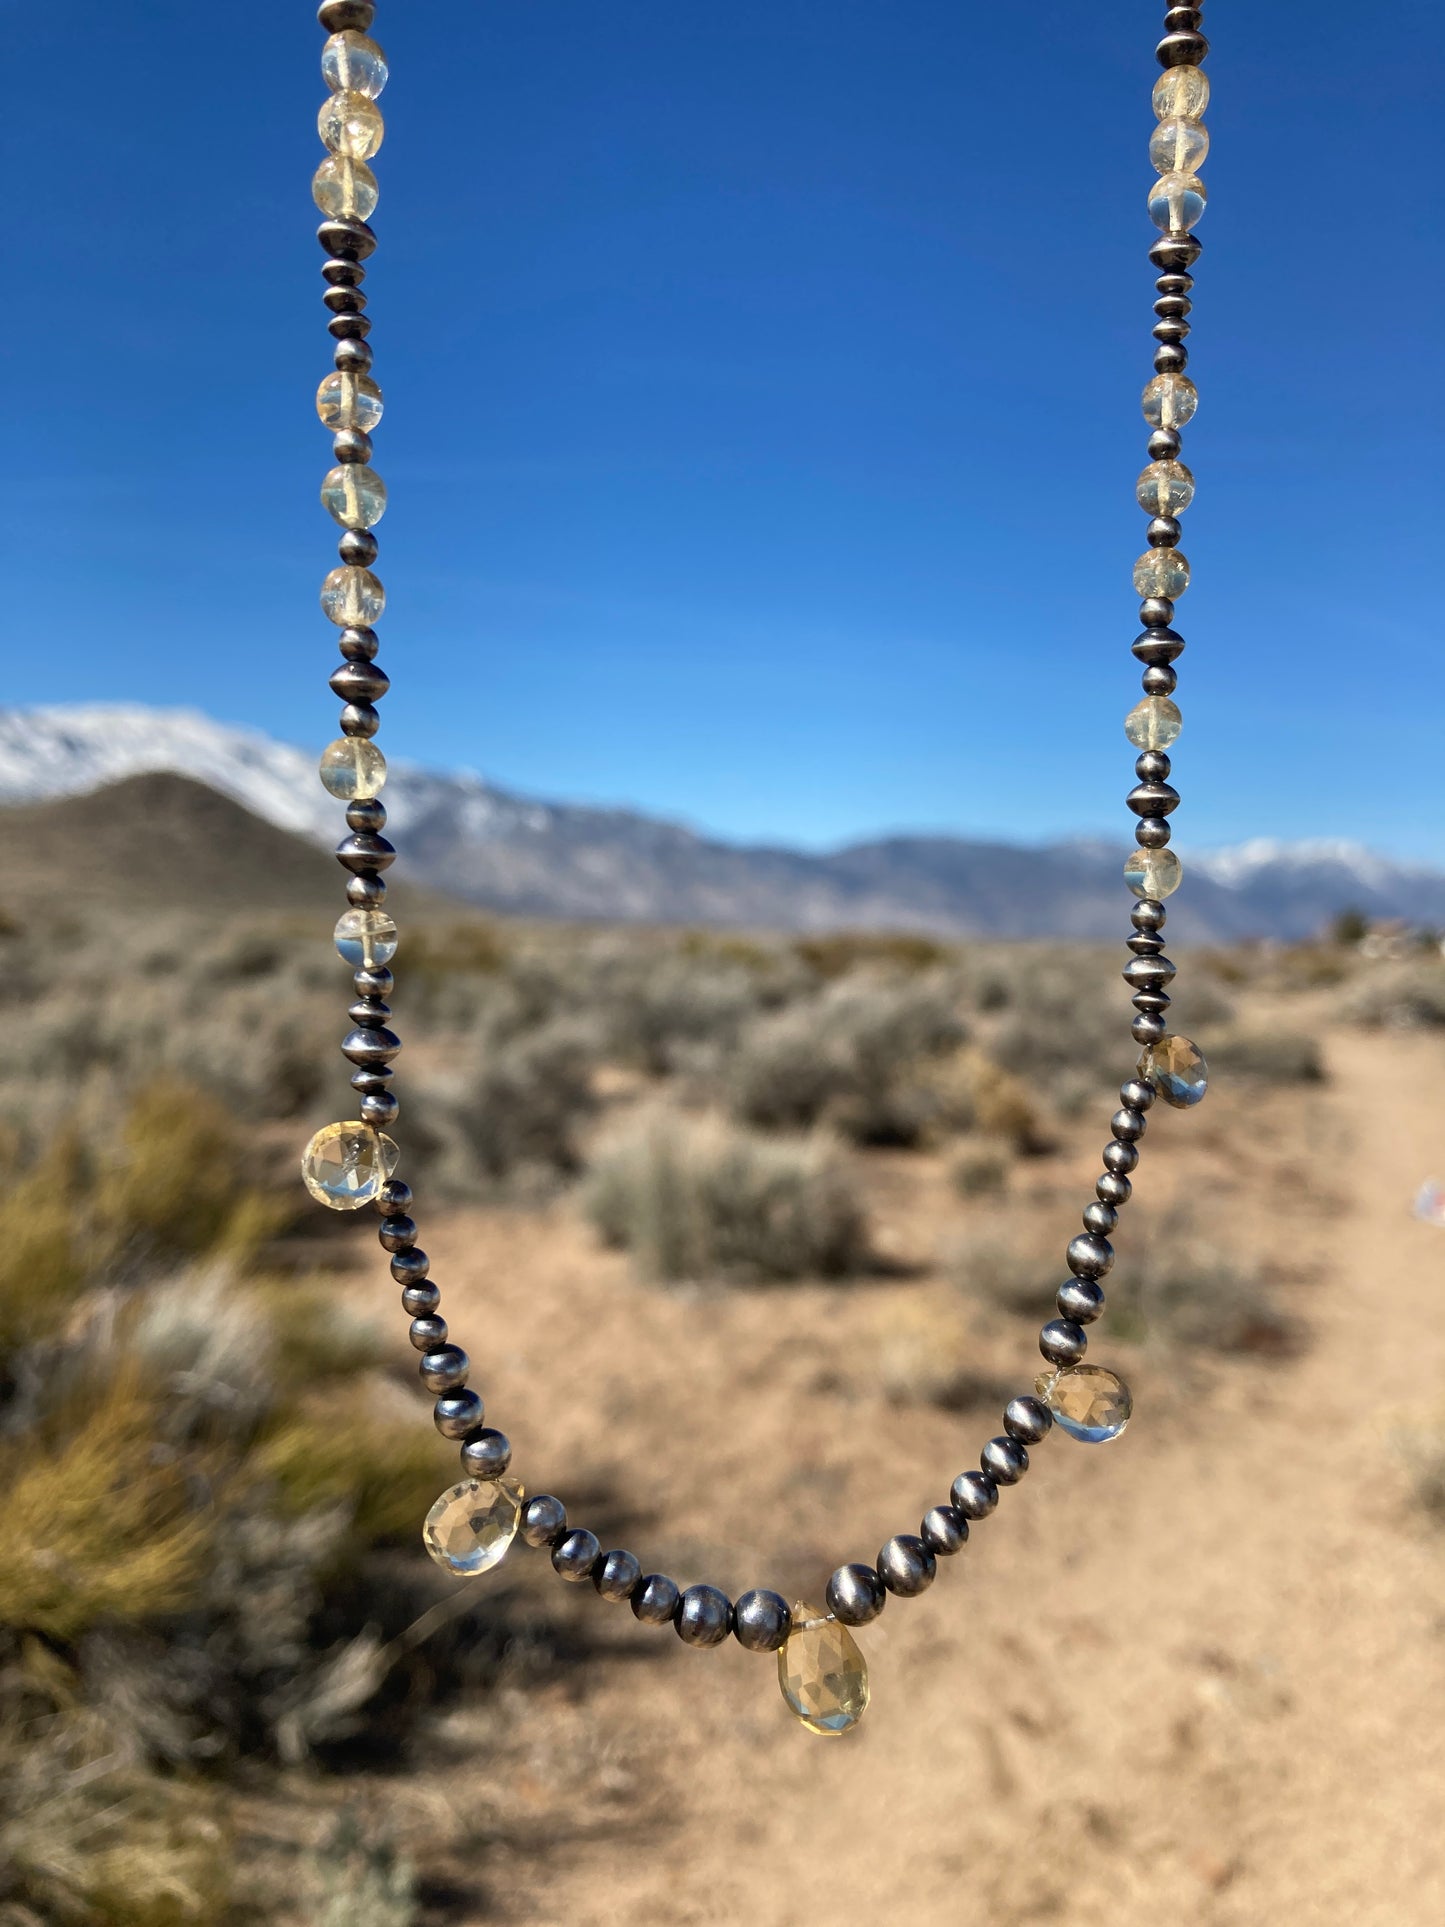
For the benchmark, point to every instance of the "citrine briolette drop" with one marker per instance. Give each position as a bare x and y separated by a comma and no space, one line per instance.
472,1524
1176,1068
345,1165
1088,1403
822,1672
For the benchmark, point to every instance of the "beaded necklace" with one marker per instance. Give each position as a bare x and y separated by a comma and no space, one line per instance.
348,1165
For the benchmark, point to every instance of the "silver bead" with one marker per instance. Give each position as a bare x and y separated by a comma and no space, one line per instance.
761,1621
357,547
544,1520
456,1414
397,1234
410,1267
352,357
421,1300
1100,1217
347,236
1114,1188
366,892
428,1333
1135,1094
655,1600
486,1456
444,1368
616,1575
575,1554
370,1046
1027,1419
944,1530
1004,1460
392,1197
1148,1028
360,719
1121,1156
704,1616
975,1494
1128,1126
337,15
1080,1299
1181,50
362,852
1062,1341
352,444
379,1108
1090,1256
1158,680
855,1595
906,1565
1163,447
360,682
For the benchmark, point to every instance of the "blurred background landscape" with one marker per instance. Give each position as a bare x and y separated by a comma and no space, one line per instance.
761,429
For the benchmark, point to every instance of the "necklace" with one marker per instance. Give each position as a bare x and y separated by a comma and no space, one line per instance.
349,1165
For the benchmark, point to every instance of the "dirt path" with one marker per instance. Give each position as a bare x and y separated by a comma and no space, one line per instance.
1193,1678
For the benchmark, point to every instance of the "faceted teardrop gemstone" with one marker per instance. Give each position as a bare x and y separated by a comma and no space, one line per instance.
365,938
1153,873
1154,723
471,1525
822,1673
1177,1070
352,767
1087,1402
345,1165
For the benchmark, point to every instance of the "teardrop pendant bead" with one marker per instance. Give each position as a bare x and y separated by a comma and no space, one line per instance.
1089,1403
822,1672
472,1524
345,1165
1177,1070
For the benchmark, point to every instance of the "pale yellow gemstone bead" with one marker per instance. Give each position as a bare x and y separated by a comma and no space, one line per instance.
351,767
1176,147
352,64
1154,723
349,401
345,1165
1161,572
1182,93
1170,401
1176,202
354,495
822,1673
343,188
471,1526
1153,873
353,598
365,938
1165,488
351,125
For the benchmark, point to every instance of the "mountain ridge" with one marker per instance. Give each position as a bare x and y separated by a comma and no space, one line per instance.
472,839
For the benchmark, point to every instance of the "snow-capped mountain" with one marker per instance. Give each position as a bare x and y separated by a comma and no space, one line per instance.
470,839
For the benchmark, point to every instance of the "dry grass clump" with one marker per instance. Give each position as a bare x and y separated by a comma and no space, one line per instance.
1277,1056
1399,996
694,1200
1181,1289
980,1171
857,1058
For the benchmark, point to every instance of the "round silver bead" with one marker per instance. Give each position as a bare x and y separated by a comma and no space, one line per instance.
761,1621
428,1333
906,1565
1004,1460
1081,1300
1027,1419
704,1616
944,1530
456,1414
655,1600
975,1494
544,1519
1063,1342
855,1595
616,1575
1090,1256
575,1554
487,1456
1114,1188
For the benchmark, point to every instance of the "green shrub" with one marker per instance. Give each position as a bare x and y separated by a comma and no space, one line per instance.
701,1200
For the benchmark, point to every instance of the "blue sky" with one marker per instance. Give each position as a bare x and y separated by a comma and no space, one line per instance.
762,402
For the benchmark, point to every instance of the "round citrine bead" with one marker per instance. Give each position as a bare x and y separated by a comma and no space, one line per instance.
351,63
345,189
1170,401
1164,488
1161,572
1181,93
1153,873
354,495
353,598
1154,723
1176,201
352,767
1178,146
350,124
366,939
349,401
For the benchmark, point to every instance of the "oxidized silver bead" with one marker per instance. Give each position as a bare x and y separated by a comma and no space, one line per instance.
944,1530
1005,1460
410,1267
428,1333
575,1554
1114,1188
544,1520
420,1300
1128,1125
487,1455
1121,1156
855,1595
1027,1419
1062,1341
1080,1299
906,1565
655,1600
975,1494
456,1414
444,1368
704,1616
761,1621
1100,1217
1090,1256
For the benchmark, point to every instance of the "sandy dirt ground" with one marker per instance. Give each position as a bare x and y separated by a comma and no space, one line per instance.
1191,1677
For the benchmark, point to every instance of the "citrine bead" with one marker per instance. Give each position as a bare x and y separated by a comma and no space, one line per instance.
1170,401
349,401
1176,202
1162,572
472,1524
354,495
351,125
352,767
1164,488
1089,1403
353,64
1181,93
1176,147
366,938
345,188
1154,723
1177,1070
353,598
1153,873
822,1672
345,1165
